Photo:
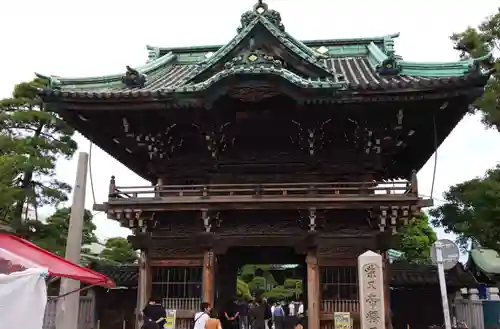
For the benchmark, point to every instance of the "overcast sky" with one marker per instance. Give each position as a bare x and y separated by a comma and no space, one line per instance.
95,37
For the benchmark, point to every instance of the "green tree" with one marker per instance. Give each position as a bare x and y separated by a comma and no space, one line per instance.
9,192
477,42
247,272
417,238
118,250
53,232
33,138
472,211
279,293
242,290
258,285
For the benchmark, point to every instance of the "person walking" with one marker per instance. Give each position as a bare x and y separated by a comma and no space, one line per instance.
243,310
201,317
230,316
257,315
154,315
213,323
291,319
278,317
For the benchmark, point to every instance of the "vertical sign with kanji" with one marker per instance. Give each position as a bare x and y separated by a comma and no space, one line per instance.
371,291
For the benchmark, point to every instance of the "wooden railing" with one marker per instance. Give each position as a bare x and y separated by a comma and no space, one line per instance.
274,191
86,312
191,304
185,310
330,306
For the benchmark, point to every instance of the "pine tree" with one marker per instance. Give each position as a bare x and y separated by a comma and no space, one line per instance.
475,43
33,138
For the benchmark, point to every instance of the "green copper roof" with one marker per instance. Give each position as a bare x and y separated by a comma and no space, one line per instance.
487,260
366,63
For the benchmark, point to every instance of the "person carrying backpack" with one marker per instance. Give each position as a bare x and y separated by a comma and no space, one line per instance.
278,317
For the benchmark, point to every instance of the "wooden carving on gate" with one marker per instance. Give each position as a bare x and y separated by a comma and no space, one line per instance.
177,252
184,226
252,94
251,225
338,251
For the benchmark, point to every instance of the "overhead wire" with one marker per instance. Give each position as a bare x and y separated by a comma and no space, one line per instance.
435,155
91,178
90,172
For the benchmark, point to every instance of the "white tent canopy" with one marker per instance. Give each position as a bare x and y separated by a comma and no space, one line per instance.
23,295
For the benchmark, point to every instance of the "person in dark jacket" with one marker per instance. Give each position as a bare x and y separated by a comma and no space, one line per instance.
258,314
269,315
243,308
154,315
230,316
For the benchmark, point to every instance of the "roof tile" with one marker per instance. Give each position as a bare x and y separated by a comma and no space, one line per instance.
166,74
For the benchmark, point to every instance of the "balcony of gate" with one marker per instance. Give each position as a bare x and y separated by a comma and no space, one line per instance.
322,195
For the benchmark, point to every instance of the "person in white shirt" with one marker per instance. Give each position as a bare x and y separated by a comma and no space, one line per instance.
291,309
201,318
300,311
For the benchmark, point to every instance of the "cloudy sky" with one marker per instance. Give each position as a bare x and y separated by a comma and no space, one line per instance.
95,37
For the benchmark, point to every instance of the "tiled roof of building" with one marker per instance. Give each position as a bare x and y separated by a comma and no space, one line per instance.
341,65
403,274
406,274
122,275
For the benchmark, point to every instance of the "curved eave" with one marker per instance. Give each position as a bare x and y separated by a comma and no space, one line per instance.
291,44
308,43
219,54
296,46
281,72
105,81
350,41
442,69
430,69
369,90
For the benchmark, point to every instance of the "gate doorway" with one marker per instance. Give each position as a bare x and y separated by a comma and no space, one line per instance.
245,273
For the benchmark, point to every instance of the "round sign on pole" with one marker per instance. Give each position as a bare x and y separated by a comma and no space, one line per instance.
450,252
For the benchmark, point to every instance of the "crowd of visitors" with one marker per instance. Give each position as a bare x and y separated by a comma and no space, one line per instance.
257,314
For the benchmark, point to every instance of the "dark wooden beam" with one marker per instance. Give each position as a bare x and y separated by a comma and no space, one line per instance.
195,204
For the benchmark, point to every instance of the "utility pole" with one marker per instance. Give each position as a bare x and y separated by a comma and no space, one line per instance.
68,306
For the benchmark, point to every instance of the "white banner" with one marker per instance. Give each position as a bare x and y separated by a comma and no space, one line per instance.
23,297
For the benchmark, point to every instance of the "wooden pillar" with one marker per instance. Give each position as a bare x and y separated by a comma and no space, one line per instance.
143,287
414,183
208,277
313,302
159,184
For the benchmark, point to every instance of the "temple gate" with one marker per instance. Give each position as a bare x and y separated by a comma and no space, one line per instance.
305,151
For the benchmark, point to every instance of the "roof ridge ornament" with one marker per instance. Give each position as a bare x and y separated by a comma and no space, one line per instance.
133,78
261,9
389,66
